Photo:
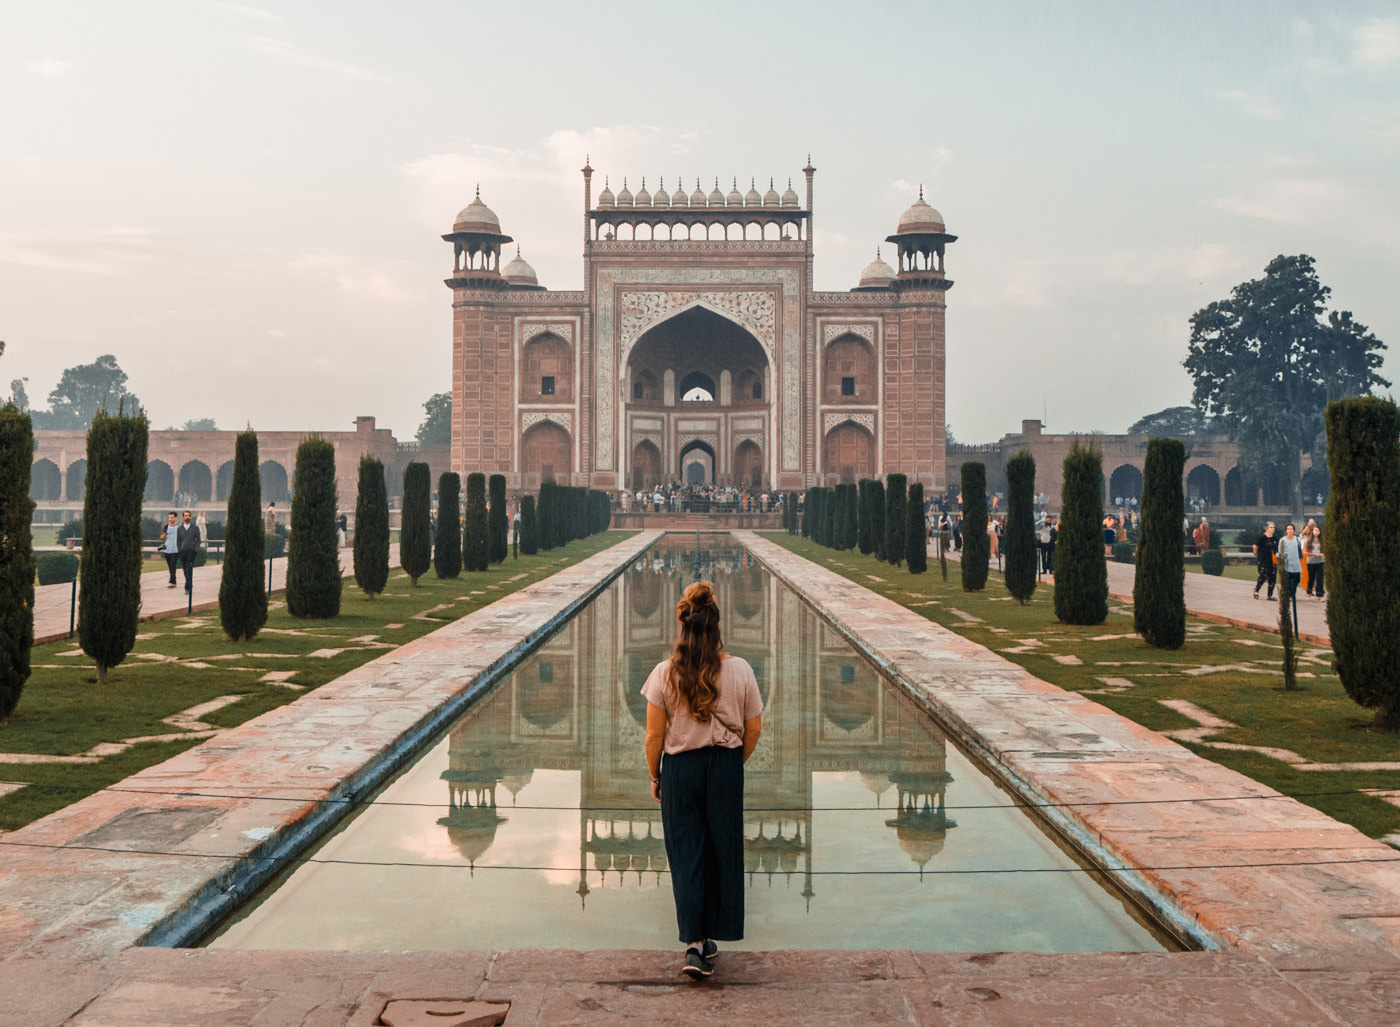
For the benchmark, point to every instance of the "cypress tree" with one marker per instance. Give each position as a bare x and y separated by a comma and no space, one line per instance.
790,513
497,523
807,519
372,528
864,529
828,525
1021,554
476,551
544,516
977,548
415,538
877,518
16,555
447,552
313,565
915,531
109,599
529,528
852,539
242,590
842,520
1159,585
1081,571
895,500
1363,593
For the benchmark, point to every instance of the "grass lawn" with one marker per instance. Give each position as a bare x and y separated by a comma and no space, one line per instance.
181,662
1233,673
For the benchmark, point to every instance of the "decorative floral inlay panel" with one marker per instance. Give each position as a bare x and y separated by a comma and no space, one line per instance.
755,310
564,330
832,331
563,418
830,420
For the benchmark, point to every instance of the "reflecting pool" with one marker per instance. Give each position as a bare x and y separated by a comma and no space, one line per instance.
531,824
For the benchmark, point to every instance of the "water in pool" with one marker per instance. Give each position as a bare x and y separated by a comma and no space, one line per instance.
531,824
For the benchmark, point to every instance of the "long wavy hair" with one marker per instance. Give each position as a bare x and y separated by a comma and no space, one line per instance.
695,661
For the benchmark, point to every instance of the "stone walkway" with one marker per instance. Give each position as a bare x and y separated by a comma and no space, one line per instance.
1306,909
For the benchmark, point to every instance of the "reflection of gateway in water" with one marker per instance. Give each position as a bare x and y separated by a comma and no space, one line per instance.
576,705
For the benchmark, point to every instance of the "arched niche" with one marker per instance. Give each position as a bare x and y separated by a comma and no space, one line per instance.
646,465
223,481
1125,483
695,347
547,450
1202,482
44,481
273,477
160,482
748,465
197,481
697,463
849,371
849,452
547,370
76,476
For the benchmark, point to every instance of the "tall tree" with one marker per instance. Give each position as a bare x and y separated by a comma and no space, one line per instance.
372,527
109,599
895,489
1159,596
313,562
242,592
529,527
475,545
1363,594
497,523
1020,573
447,553
915,531
977,547
864,529
199,424
1177,422
843,525
1267,361
877,518
436,429
85,389
16,555
546,515
415,541
1081,570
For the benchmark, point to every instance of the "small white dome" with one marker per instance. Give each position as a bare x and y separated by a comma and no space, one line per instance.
679,198
789,197
478,216
624,196
877,274
660,198
771,197
643,198
920,217
697,198
735,198
606,198
518,272
752,197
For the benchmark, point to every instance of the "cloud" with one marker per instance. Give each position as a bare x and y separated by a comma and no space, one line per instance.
50,67
289,52
1294,201
1377,44
107,252
1253,104
360,279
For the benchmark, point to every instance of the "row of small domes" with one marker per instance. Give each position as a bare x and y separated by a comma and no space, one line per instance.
626,198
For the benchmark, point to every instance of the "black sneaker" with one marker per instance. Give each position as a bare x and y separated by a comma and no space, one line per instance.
696,965
710,949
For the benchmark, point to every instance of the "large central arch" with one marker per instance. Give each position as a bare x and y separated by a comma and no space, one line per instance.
699,372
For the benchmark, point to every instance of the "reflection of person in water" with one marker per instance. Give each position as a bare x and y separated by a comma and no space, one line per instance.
703,710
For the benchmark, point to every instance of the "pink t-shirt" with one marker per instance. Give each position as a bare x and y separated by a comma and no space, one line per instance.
738,701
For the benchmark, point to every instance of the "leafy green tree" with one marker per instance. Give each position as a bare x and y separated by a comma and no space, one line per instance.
475,545
877,518
16,556
1363,594
313,564
1267,361
915,531
85,389
1081,572
545,515
199,424
1020,573
497,523
242,591
372,528
436,429
415,536
529,527
977,547
1159,596
447,552
109,599
865,537
896,488
1175,422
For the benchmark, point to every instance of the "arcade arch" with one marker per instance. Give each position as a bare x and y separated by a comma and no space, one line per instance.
646,465
1125,483
546,450
44,481
273,477
748,465
698,463
160,482
76,476
196,481
849,452
223,481
1203,483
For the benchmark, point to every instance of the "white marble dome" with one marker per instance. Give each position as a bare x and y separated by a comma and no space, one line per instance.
877,274
624,195
771,197
752,197
518,272
920,217
606,197
790,197
477,217
661,198
643,198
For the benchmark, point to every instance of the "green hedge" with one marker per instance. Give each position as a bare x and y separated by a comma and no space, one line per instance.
1123,552
1212,561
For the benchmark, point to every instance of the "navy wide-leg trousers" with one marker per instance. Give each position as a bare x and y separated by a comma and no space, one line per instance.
702,816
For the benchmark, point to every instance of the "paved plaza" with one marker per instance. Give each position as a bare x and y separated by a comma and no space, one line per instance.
1305,912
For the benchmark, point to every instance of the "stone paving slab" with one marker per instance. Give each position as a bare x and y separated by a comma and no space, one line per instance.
207,817
1063,749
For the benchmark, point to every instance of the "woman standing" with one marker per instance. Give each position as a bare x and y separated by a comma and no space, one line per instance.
1312,546
703,711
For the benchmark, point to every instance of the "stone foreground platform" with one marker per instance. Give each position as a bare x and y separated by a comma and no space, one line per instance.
1306,910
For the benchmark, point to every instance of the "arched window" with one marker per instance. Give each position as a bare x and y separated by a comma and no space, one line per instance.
849,452
44,481
547,370
849,374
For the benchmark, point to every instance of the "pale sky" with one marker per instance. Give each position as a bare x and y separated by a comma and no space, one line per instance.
243,203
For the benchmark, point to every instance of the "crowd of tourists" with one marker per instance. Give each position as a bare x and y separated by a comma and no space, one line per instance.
676,497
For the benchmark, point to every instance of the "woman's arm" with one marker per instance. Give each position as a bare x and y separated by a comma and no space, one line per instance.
656,737
753,727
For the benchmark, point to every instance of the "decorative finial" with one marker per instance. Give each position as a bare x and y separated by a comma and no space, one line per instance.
605,181
644,181
517,251
478,190
661,182
921,190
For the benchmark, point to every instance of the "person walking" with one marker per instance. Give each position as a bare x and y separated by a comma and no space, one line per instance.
1290,561
1201,536
188,537
1312,546
1266,557
270,518
704,713
170,546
